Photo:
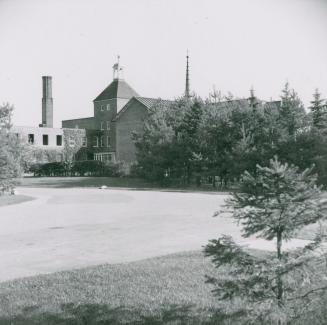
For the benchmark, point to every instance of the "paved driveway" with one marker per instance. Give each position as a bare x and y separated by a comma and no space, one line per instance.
72,228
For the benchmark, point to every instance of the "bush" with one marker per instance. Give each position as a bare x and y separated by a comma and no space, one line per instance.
95,168
50,169
79,168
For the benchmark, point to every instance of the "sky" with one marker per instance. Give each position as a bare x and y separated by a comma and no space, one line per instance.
233,45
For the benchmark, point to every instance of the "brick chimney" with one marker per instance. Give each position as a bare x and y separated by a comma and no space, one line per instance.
47,102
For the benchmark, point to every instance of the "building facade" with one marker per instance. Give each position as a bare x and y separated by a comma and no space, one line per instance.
49,144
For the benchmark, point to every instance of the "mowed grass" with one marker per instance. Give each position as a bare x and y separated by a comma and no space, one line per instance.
67,182
163,290
153,291
120,182
14,199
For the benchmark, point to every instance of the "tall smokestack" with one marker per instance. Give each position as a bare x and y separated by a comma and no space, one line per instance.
47,102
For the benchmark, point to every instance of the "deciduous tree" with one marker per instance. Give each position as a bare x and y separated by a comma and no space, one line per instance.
11,151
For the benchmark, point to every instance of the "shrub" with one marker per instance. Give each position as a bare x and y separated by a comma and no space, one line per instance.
95,168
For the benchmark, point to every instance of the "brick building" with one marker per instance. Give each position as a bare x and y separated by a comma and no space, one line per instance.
118,112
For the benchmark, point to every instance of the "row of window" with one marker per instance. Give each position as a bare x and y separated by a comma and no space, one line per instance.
45,139
107,125
102,107
103,156
99,141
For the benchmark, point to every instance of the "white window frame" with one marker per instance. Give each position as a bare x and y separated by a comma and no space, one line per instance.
108,125
108,141
103,156
102,108
101,126
108,107
102,141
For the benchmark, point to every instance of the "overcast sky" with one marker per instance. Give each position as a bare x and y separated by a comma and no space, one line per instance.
233,44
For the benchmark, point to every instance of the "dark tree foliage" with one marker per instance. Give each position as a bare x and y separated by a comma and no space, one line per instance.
291,113
11,150
192,139
272,288
169,144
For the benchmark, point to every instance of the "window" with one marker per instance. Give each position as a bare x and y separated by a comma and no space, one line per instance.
101,126
45,139
102,108
71,142
84,141
108,142
106,157
108,107
76,126
101,141
30,138
95,141
108,125
103,156
59,140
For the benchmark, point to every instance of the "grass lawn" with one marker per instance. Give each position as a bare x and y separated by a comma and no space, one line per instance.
123,182
151,291
66,182
14,199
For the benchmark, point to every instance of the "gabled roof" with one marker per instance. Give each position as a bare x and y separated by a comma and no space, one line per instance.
150,102
147,102
119,88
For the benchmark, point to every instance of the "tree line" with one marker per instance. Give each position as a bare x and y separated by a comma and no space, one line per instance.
192,139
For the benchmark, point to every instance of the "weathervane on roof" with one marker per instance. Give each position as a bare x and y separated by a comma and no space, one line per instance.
117,69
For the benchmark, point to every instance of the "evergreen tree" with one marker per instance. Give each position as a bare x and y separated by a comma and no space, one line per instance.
291,113
274,287
318,109
187,139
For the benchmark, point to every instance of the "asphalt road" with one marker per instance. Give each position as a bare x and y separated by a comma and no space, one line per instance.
71,228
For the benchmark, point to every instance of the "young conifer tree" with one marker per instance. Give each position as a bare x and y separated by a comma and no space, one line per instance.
275,287
318,109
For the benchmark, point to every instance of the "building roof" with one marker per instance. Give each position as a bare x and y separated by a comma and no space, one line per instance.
119,88
146,101
244,103
150,102
273,104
